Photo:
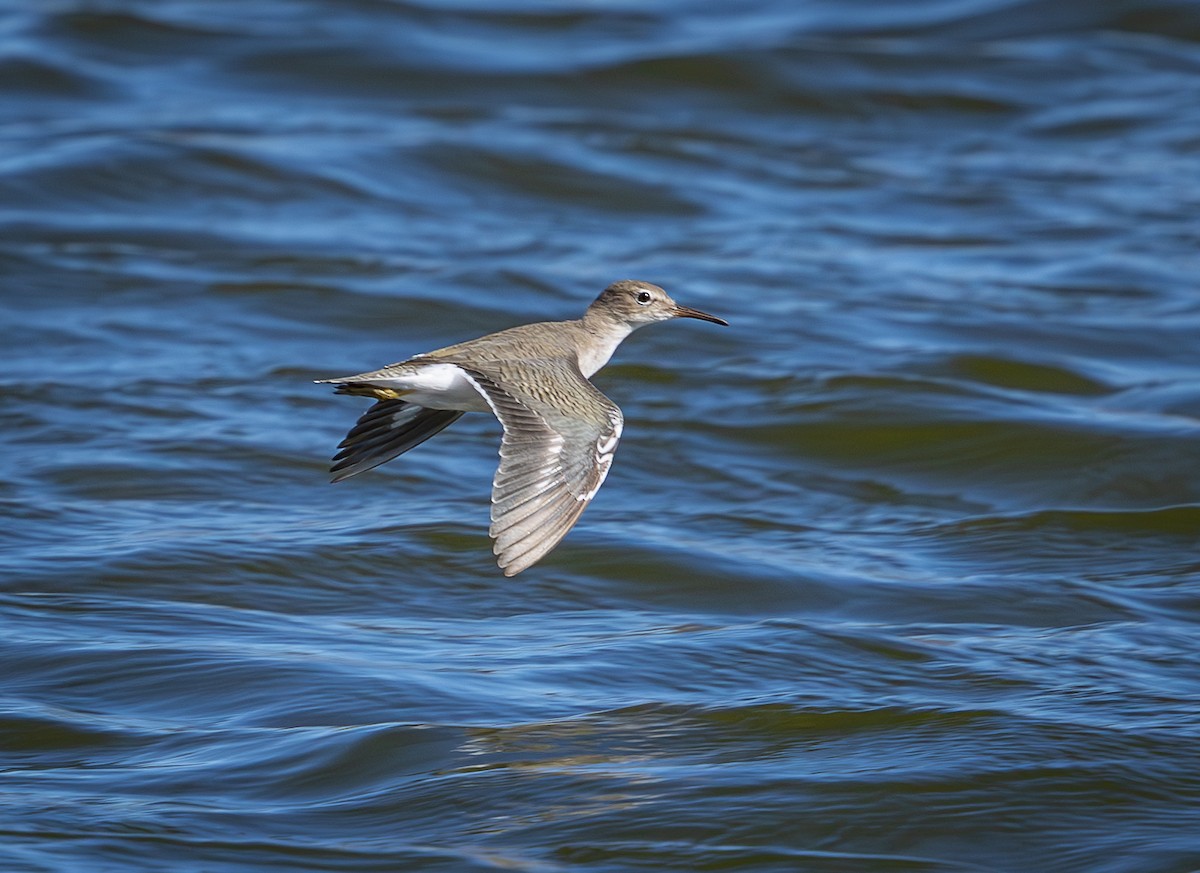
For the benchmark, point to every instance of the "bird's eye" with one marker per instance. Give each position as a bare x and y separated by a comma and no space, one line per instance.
643,297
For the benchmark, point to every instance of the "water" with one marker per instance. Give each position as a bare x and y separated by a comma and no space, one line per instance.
897,573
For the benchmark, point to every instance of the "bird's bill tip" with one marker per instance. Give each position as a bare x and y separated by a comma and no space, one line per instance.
688,312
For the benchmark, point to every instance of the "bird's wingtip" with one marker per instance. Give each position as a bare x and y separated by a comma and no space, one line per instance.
507,565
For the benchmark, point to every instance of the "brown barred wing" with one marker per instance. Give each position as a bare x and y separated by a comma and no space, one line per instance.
560,434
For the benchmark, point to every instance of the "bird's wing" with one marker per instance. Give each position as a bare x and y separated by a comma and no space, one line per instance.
560,434
387,429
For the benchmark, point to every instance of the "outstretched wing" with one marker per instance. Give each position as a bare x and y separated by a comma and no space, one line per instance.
560,434
387,429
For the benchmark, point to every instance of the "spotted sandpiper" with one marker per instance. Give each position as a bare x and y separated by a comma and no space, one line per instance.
560,432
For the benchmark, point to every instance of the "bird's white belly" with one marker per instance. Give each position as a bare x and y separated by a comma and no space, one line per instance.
438,386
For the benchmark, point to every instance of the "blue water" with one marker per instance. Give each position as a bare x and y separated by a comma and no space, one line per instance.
899,572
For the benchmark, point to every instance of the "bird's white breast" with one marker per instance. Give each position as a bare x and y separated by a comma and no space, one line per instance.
595,354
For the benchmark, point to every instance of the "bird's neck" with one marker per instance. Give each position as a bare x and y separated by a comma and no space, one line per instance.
601,335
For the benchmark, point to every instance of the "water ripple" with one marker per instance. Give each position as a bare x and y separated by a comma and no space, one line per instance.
896,573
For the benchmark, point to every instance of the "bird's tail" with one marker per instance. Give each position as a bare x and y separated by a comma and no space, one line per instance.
363,389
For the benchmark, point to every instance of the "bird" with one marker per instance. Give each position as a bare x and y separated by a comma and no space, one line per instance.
560,431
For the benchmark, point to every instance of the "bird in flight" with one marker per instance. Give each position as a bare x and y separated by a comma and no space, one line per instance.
560,432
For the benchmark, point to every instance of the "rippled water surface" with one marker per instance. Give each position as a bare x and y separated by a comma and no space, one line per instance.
899,572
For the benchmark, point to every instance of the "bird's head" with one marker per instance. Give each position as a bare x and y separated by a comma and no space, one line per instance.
639,303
